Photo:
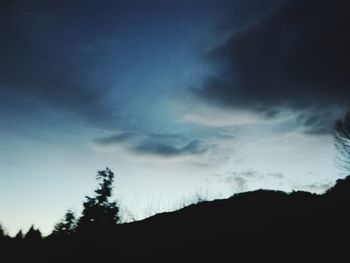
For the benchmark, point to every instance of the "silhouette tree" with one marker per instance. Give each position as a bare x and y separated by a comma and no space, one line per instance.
2,232
342,142
33,234
66,227
19,235
99,213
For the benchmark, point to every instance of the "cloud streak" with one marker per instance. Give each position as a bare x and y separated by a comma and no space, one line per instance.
159,145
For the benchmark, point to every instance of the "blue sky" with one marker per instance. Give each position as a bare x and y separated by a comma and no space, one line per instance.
177,98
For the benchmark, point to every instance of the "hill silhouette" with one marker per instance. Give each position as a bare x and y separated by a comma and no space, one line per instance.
257,225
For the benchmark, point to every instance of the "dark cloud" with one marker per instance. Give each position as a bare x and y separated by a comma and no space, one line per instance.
52,56
248,174
318,121
240,180
276,175
296,57
244,13
253,174
238,183
167,150
164,145
117,138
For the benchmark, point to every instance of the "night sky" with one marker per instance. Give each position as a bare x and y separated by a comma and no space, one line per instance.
178,98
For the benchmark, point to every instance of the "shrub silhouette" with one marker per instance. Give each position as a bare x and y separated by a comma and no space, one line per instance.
99,212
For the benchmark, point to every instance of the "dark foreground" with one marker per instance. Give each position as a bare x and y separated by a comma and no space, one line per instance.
254,226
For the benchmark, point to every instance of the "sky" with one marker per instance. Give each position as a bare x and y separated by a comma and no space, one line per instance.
181,99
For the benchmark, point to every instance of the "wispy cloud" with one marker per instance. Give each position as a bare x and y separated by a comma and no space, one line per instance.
317,187
278,119
244,180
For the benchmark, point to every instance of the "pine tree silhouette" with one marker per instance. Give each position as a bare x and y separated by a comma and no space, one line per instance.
2,232
66,227
19,235
99,213
33,234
